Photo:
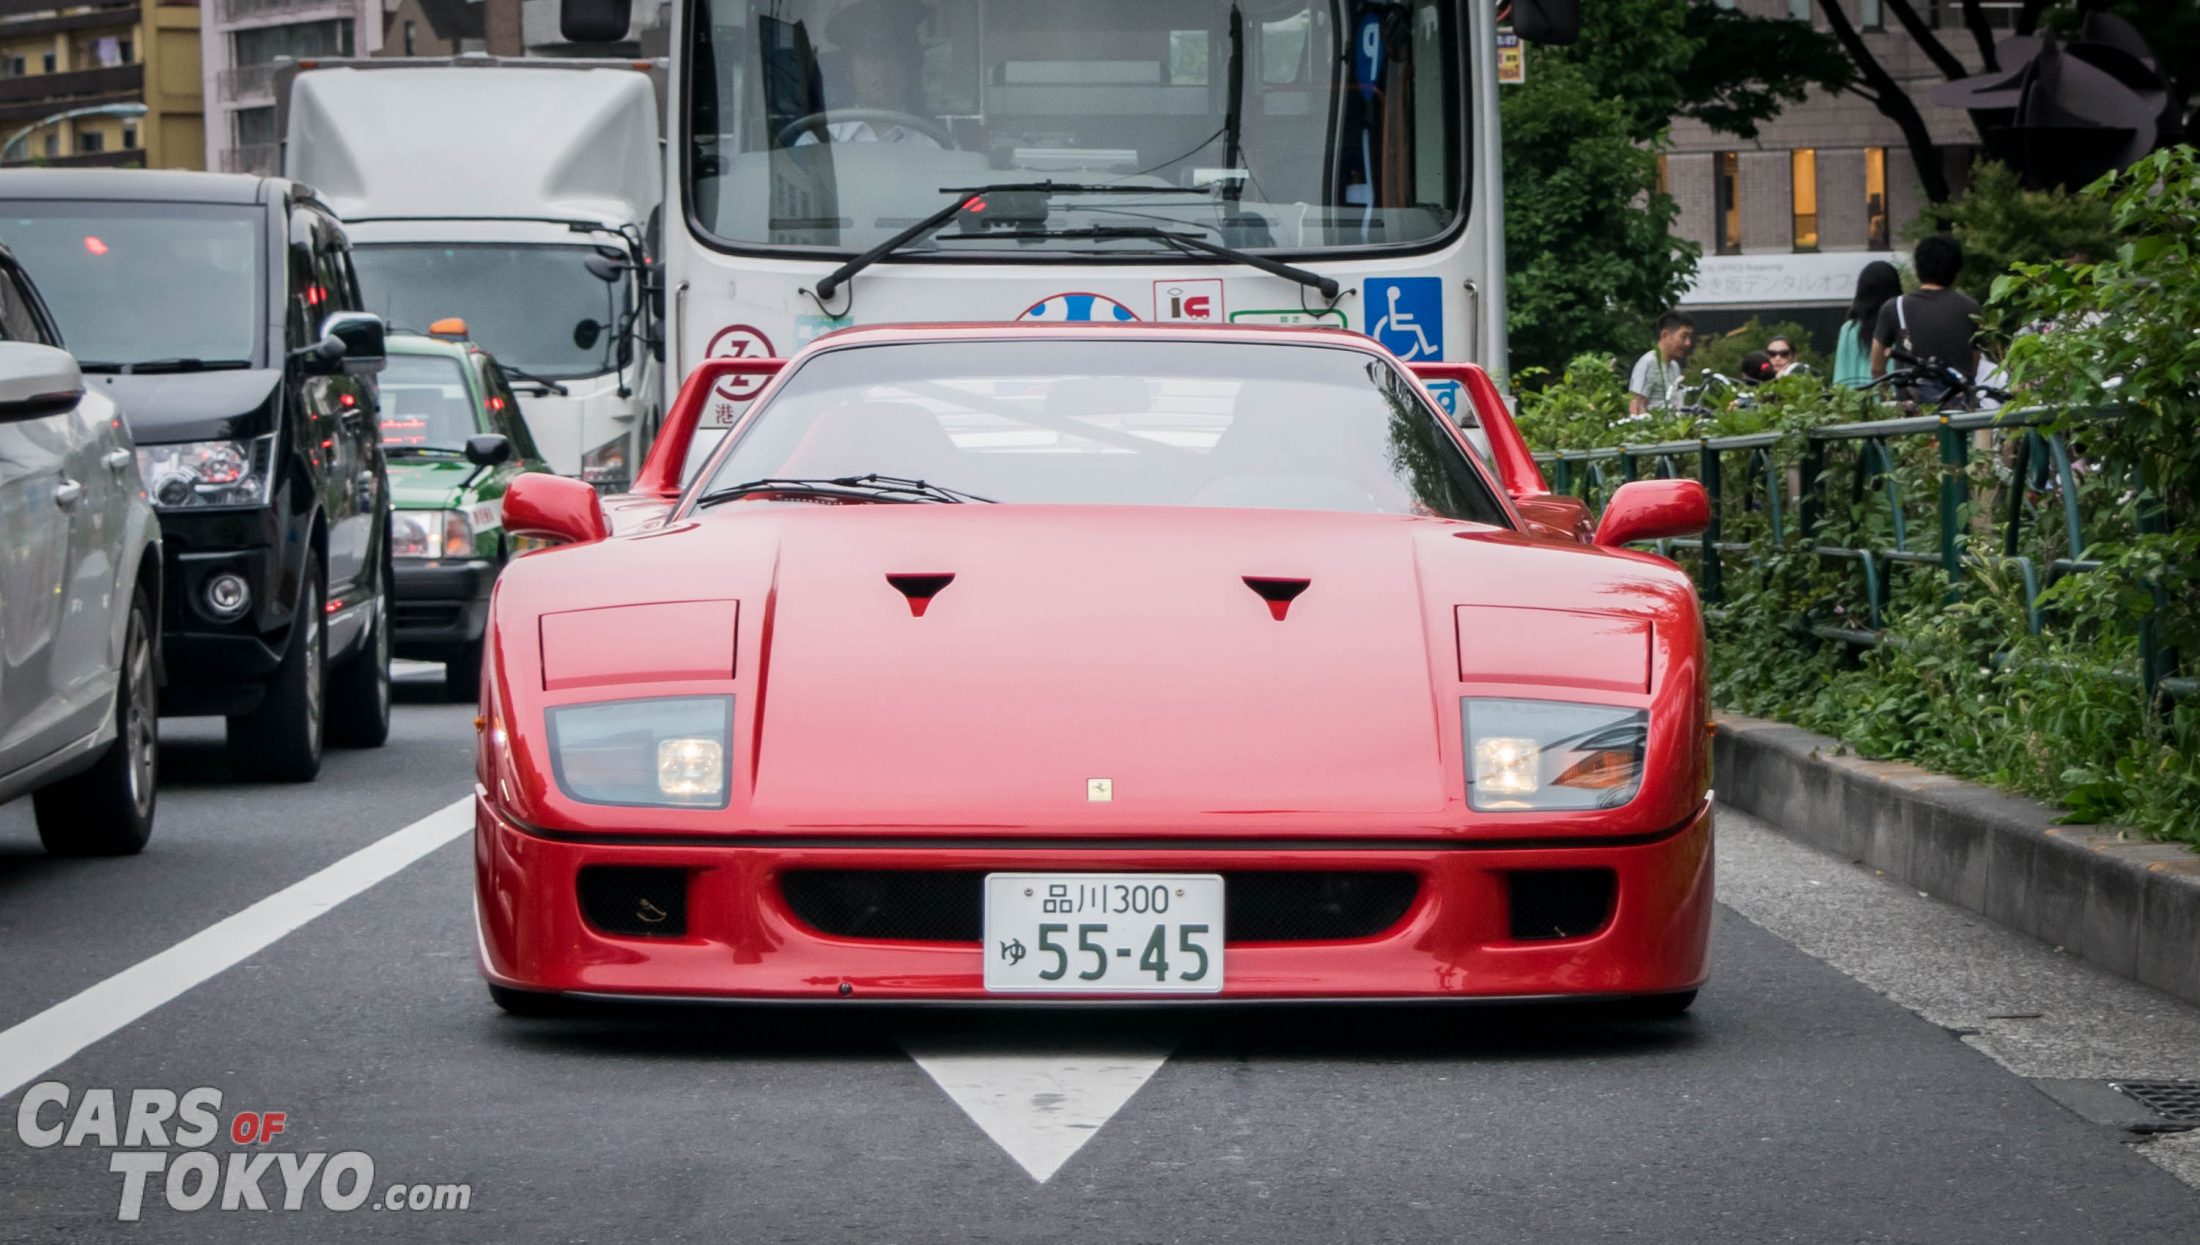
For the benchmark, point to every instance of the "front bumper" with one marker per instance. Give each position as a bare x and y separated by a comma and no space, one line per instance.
743,941
440,608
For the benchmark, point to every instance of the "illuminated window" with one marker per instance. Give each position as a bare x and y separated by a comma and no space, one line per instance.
1875,198
1803,177
1727,202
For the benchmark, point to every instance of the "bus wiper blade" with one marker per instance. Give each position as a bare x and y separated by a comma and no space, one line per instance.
522,374
874,487
964,196
1326,286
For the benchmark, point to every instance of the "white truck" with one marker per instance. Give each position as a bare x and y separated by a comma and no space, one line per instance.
517,196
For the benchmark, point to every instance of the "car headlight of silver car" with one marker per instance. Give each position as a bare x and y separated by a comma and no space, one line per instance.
431,534
1547,755
208,473
669,752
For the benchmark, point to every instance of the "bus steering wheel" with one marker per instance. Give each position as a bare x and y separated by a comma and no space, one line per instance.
817,121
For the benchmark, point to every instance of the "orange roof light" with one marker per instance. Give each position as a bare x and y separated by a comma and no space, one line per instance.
448,326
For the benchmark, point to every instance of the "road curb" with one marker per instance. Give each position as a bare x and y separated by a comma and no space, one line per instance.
2130,905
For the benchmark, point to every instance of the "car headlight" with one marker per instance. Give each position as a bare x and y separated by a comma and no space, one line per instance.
208,473
670,752
605,466
431,534
1549,755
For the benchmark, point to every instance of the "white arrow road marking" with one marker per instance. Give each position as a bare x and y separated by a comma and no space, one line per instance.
43,1042
1038,1105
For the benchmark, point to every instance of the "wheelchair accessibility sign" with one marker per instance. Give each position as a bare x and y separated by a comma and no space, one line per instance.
1406,314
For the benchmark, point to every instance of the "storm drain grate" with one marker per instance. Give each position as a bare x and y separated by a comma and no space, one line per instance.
2177,1102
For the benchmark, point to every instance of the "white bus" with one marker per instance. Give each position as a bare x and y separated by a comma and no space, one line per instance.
838,162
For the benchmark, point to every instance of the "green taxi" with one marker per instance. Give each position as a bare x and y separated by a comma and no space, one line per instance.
454,438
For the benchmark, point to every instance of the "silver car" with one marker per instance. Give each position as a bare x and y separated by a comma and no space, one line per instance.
80,574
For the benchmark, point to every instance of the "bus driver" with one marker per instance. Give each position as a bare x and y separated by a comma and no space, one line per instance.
880,63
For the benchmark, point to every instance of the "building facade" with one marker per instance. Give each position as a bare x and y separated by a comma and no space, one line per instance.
245,39
101,83
1787,220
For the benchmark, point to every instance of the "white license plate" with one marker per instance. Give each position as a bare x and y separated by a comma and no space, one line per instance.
1110,933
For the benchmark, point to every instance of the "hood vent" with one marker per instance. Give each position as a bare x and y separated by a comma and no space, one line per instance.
1279,593
920,589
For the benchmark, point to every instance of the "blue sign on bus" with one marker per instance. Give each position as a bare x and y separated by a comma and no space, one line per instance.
1406,314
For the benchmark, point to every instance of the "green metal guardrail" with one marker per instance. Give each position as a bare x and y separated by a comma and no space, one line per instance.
2039,464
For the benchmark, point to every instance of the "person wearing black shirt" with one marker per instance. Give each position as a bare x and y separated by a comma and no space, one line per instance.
1937,322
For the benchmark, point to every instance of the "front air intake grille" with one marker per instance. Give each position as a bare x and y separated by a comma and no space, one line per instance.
1549,904
635,903
948,905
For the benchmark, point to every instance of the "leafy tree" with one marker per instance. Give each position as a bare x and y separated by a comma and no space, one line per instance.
1589,251
1588,239
2000,223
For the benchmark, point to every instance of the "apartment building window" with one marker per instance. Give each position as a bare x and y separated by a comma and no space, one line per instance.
1799,10
47,61
53,144
16,67
1875,198
91,141
255,126
1871,14
129,138
299,39
1803,184
409,38
1727,202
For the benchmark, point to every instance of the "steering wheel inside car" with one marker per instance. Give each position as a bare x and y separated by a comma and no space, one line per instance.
817,121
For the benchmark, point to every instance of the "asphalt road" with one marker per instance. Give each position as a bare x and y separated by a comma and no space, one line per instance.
1866,1066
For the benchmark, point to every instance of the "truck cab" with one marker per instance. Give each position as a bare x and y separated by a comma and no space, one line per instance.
515,196
220,312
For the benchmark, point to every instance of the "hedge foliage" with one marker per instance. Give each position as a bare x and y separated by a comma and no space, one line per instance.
1960,680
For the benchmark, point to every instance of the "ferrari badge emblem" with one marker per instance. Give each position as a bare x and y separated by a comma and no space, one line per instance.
1099,790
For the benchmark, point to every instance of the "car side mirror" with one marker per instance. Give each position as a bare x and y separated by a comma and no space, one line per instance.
37,381
548,507
594,21
1654,510
364,340
604,270
489,449
1547,21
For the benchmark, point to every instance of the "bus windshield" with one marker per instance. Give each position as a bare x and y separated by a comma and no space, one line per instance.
1293,125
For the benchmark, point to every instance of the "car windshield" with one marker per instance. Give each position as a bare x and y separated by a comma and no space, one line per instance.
132,283
426,404
1289,124
1082,421
534,307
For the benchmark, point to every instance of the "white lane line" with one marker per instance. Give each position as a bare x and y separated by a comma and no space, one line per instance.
42,1043
1039,1106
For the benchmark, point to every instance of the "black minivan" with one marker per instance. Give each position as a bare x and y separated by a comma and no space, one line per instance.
221,313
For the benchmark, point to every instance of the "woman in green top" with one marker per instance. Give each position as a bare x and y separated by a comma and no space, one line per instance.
1852,350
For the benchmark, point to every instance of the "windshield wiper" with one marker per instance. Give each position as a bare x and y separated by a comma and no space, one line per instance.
874,487
526,377
1326,286
151,366
964,197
